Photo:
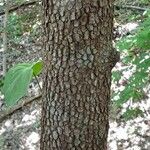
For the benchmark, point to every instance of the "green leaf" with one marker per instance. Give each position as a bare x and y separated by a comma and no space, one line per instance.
126,43
143,39
16,82
125,95
1,83
37,67
132,113
116,75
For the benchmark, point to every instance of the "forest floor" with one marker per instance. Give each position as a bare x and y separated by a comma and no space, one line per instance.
21,130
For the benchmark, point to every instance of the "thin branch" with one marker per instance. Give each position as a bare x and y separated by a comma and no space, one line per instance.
4,114
14,8
37,82
131,7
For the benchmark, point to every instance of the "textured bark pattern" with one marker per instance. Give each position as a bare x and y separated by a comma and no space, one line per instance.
78,62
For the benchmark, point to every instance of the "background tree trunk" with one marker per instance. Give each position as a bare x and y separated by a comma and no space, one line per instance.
78,63
6,2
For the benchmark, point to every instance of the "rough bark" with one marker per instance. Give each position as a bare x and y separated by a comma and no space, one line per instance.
78,63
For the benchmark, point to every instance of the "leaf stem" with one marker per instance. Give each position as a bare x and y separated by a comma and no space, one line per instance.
37,82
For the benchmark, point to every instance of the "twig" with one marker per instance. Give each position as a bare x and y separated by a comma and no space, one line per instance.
4,114
131,7
14,8
37,82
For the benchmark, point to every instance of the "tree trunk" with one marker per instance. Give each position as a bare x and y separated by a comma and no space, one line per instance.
79,57
6,2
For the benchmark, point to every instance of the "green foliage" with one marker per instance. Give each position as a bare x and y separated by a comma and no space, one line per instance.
17,81
14,28
1,83
2,142
138,41
132,113
143,36
18,25
136,51
145,1
116,76
37,68
19,22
